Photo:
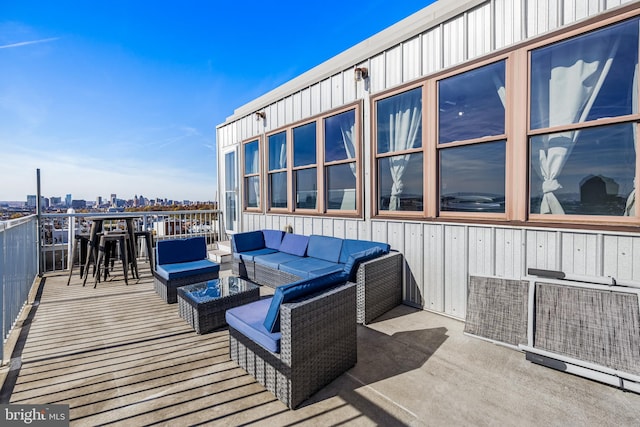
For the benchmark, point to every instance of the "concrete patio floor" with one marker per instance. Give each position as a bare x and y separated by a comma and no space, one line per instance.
118,355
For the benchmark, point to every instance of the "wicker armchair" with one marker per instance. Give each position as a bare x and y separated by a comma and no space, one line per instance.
318,344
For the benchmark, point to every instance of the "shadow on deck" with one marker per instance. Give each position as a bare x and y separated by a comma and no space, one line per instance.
119,355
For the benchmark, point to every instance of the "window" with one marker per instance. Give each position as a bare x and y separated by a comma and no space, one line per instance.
582,137
399,156
472,148
252,175
304,163
278,176
340,161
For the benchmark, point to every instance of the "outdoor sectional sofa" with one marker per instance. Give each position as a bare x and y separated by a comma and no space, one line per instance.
275,258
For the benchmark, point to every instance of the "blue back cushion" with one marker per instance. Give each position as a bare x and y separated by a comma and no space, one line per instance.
272,238
353,262
323,247
181,250
294,244
295,290
247,241
350,246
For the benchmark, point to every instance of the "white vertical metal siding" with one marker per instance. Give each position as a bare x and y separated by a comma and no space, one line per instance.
479,31
509,14
432,51
393,67
453,41
411,59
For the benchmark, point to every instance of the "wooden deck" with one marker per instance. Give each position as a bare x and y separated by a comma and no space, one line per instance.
118,355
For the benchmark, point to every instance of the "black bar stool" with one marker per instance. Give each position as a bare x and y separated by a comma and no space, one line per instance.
80,250
108,243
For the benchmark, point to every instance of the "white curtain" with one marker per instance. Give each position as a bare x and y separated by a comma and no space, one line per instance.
256,181
577,75
630,208
404,123
347,130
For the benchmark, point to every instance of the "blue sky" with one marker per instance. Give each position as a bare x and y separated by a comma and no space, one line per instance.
124,96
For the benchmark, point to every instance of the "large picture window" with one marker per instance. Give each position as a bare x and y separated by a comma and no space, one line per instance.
252,174
278,176
590,80
399,152
471,132
340,161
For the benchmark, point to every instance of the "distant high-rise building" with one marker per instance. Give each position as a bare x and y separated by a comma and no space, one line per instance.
114,199
98,200
67,200
31,200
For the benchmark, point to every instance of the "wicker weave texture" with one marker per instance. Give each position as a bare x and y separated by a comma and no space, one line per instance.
319,343
244,269
497,309
210,315
379,286
597,326
167,289
272,277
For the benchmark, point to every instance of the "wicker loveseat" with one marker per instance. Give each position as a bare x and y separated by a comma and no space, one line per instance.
181,262
275,258
299,340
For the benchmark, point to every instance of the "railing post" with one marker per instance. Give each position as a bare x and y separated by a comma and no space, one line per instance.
71,235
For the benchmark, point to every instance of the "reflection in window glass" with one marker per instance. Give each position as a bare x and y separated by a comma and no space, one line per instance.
586,172
404,194
339,136
304,145
251,158
585,78
399,122
252,186
341,186
472,178
306,188
471,105
278,189
278,151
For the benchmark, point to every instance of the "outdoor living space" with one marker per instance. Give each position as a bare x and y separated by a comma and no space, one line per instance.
120,355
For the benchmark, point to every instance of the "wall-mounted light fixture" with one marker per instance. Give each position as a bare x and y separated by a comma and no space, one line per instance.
260,115
360,73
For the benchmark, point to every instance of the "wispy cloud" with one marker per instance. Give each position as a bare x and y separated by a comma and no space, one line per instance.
19,44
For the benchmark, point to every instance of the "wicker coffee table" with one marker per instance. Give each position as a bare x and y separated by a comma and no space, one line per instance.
204,304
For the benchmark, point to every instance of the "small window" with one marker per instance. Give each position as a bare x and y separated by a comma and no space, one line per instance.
278,177
471,114
252,174
399,152
305,170
340,158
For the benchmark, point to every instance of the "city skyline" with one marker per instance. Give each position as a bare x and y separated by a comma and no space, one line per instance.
108,97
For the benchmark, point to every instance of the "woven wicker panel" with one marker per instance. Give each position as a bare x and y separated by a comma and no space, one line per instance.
167,289
273,278
379,286
497,309
597,326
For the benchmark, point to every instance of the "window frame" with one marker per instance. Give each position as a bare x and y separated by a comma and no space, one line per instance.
245,176
633,119
320,166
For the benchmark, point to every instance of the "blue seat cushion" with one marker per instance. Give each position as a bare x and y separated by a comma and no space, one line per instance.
186,269
248,256
275,259
298,290
324,247
249,320
272,239
247,241
353,262
303,267
181,250
294,244
350,246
